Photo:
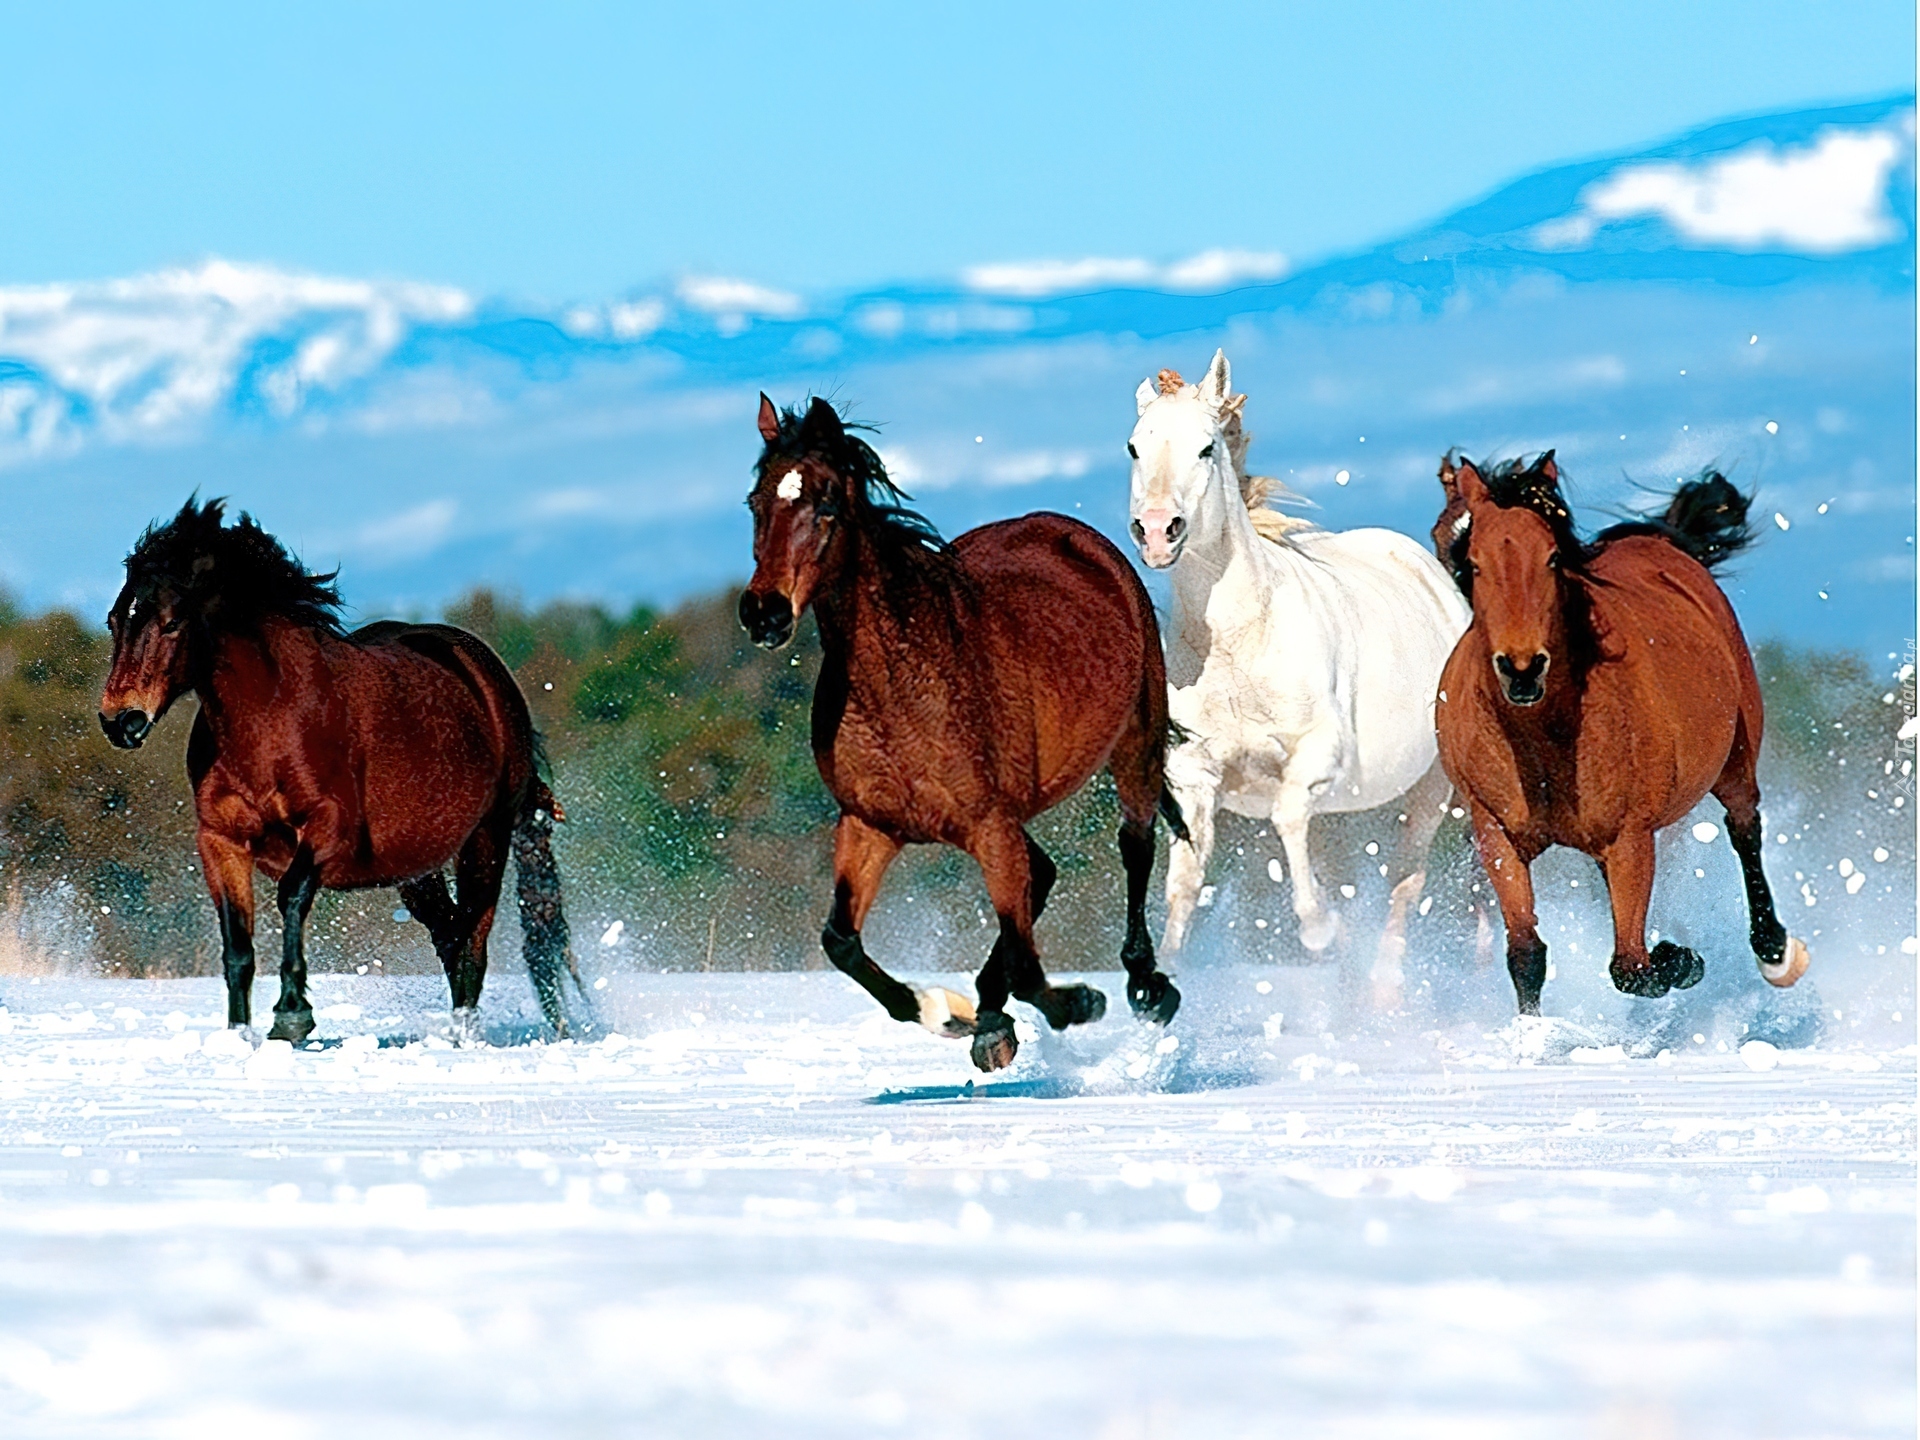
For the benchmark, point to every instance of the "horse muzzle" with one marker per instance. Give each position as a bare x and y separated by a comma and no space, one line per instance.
1523,684
1160,535
767,619
126,728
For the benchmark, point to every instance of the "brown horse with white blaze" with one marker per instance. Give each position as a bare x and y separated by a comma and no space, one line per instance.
334,760
964,690
1603,690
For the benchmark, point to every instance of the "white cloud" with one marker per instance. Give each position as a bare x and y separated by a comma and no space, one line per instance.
413,532
1823,198
958,464
1209,270
155,352
737,301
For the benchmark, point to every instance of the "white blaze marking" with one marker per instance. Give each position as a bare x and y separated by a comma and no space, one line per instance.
789,486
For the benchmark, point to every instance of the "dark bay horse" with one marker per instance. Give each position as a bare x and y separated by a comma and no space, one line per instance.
336,761
1602,691
964,690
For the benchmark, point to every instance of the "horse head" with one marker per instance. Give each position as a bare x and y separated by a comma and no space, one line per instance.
1183,465
1514,555
150,622
186,580
798,501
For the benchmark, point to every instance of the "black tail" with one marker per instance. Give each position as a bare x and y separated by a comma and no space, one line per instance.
1170,812
1707,518
549,948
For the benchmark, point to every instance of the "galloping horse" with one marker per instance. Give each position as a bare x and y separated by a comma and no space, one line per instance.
964,689
1601,692
332,760
1303,661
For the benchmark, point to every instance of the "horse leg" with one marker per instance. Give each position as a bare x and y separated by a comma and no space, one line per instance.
1426,806
1151,994
1195,789
477,873
1002,851
1627,865
427,900
292,1015
228,869
1512,881
1040,865
1782,958
861,855
1292,813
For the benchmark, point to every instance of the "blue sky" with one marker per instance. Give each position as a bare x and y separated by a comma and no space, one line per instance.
560,151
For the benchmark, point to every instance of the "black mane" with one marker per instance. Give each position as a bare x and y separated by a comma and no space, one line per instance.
1706,517
230,576
1531,485
903,537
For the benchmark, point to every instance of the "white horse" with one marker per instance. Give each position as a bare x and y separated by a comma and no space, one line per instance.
1302,662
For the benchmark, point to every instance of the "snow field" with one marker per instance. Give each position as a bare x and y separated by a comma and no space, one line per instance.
762,1208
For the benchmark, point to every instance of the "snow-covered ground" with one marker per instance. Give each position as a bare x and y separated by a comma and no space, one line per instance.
759,1208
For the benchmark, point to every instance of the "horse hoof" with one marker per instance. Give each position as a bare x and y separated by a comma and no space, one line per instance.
994,1044
1388,996
293,1025
1790,967
1154,1000
1065,1005
1678,966
1317,935
465,1026
945,1013
1645,981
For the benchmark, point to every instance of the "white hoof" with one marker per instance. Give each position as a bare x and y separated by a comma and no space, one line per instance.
1792,965
1319,933
945,1013
465,1027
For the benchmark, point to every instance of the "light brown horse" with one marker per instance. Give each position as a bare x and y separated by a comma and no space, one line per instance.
1602,691
331,760
964,690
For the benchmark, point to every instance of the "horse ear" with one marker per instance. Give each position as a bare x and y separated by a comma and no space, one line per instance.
1547,469
1217,385
1468,485
1144,397
769,420
822,426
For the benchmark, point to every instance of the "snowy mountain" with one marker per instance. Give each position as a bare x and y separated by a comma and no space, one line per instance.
1742,296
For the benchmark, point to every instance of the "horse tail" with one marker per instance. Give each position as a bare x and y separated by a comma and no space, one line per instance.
1170,812
1707,518
548,944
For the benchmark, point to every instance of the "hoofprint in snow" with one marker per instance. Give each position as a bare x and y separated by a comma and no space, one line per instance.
758,1207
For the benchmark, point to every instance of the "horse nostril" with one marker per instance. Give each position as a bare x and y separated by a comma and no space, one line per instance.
1139,533
749,610
1176,527
127,728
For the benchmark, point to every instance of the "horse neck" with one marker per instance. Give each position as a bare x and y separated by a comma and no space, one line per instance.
871,625
1230,579
245,670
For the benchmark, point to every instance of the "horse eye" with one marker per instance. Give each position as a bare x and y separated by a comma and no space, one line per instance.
1131,451
169,627
1553,561
1208,452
